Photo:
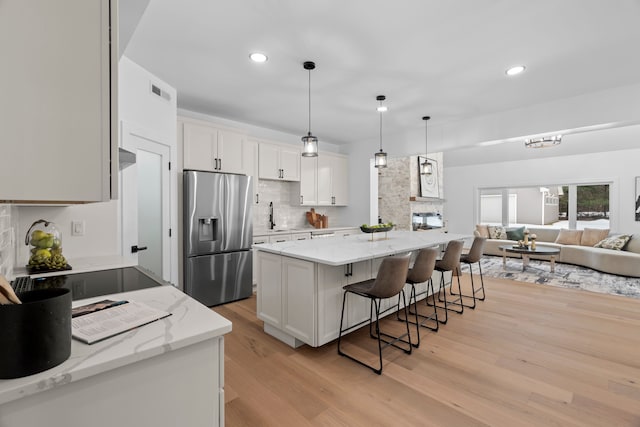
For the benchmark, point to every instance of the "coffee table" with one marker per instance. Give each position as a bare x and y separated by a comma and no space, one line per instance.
525,253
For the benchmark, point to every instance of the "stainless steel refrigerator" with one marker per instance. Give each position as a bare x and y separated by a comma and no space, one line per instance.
218,232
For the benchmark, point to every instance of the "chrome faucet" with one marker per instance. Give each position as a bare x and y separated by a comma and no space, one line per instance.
271,223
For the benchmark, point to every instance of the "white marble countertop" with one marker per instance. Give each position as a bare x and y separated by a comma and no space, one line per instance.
340,251
266,232
190,323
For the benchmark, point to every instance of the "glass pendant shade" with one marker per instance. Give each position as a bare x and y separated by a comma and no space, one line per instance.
309,146
426,167
309,142
380,159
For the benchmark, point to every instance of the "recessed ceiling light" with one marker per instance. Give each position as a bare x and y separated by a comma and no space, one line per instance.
258,57
515,70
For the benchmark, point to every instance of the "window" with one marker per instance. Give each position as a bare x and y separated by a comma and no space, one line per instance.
554,206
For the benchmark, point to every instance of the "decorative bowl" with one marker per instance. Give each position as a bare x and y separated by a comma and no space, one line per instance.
375,230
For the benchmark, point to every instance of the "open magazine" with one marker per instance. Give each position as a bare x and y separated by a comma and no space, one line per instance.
101,320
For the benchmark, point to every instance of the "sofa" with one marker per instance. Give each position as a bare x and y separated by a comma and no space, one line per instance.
593,248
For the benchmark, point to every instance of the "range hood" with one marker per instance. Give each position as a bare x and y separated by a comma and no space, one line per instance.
125,158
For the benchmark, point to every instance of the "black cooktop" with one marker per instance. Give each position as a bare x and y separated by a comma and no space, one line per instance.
93,283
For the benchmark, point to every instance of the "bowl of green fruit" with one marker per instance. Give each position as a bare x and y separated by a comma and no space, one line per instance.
376,228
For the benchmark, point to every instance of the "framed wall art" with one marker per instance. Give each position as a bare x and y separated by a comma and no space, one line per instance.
429,185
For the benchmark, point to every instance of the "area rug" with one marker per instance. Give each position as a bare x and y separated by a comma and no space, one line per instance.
565,276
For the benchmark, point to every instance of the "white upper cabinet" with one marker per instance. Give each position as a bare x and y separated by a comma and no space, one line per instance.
213,149
58,108
200,147
340,180
278,161
308,182
250,159
324,181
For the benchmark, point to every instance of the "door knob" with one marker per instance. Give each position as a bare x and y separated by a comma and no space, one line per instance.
135,248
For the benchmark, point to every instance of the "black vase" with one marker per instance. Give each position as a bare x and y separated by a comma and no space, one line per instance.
36,335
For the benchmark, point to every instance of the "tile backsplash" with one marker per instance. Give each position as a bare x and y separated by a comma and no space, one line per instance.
7,240
285,214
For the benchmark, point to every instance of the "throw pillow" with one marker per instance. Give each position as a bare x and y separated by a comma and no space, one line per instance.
482,230
515,233
634,244
615,243
569,237
591,236
497,232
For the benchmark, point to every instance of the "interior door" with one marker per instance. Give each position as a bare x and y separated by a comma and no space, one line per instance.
145,202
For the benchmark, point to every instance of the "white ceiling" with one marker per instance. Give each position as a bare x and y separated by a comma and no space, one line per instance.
446,59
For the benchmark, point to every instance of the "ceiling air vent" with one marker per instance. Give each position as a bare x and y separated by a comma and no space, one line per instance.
159,92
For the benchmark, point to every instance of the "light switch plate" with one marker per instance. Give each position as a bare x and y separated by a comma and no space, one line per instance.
77,228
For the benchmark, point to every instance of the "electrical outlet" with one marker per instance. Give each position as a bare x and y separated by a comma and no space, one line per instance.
77,228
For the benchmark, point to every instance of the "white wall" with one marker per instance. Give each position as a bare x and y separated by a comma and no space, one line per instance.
619,168
156,118
100,238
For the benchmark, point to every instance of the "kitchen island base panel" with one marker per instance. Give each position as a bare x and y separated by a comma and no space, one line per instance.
300,301
175,388
291,341
299,294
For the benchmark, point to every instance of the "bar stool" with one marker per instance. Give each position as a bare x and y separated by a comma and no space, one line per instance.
449,263
474,256
421,272
390,282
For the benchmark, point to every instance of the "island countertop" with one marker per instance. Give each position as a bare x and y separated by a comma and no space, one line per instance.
190,323
350,249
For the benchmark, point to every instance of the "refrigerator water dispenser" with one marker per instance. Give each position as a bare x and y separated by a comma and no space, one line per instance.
207,229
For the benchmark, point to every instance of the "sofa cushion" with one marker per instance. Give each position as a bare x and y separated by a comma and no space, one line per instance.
515,233
591,236
615,243
482,231
497,232
634,244
544,234
569,237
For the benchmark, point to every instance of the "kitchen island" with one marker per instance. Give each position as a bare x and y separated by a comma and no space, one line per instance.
166,373
299,293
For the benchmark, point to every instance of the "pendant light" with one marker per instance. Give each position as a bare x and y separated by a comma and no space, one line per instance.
381,156
546,141
309,142
426,167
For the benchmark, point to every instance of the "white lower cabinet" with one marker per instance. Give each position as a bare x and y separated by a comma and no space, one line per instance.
269,304
347,232
257,240
330,298
286,295
303,300
298,298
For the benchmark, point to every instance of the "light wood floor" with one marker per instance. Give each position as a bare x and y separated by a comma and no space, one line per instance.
530,355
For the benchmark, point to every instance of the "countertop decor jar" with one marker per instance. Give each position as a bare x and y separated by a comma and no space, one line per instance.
46,248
